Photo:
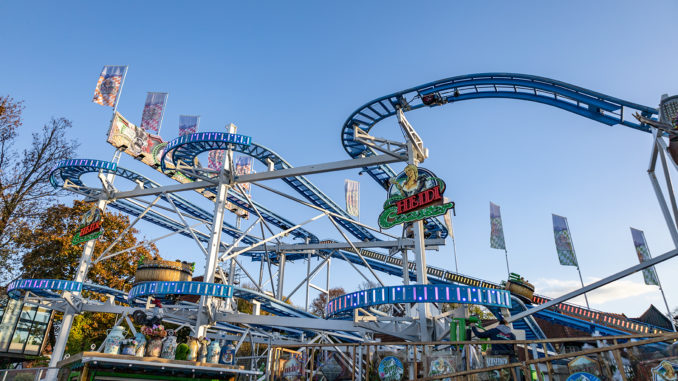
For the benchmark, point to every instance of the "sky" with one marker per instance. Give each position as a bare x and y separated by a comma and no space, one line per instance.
288,74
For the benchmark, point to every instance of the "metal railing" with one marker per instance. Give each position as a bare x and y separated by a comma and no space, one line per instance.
626,358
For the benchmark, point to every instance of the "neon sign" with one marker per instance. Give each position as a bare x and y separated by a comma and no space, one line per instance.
415,194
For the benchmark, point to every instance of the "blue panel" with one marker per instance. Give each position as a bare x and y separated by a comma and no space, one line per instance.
180,288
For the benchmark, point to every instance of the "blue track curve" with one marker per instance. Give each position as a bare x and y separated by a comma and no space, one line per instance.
593,105
587,103
186,150
72,170
378,261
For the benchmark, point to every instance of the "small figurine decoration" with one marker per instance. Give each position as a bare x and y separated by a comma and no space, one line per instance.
169,345
202,351
213,351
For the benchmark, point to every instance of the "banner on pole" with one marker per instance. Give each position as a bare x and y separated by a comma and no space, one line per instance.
215,159
564,247
643,252
188,124
244,165
496,228
108,85
352,193
151,119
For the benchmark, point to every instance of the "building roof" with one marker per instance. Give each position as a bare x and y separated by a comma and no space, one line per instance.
655,317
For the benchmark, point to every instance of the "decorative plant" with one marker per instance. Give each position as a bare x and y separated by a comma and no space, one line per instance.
182,352
156,331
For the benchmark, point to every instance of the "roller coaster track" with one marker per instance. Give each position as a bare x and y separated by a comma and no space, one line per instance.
587,103
186,148
72,171
595,106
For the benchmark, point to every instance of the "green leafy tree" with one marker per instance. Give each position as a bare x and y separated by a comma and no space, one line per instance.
49,254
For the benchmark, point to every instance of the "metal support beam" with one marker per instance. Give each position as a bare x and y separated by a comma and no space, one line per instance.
320,168
281,275
633,269
201,184
290,322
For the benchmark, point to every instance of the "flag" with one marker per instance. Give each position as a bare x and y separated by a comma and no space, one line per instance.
153,110
244,166
496,228
188,124
448,220
108,85
649,274
215,159
564,247
352,193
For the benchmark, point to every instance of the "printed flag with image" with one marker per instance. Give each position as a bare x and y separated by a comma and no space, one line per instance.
153,111
215,159
496,228
649,274
244,165
188,124
564,247
352,193
108,85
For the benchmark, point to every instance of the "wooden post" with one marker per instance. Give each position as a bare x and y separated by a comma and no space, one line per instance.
414,360
620,363
310,358
468,361
549,367
536,365
353,372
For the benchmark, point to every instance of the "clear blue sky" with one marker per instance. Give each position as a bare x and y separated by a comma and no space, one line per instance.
288,74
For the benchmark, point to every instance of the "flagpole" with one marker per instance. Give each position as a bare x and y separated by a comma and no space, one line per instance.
577,261
507,266
673,324
661,289
454,247
582,283
117,96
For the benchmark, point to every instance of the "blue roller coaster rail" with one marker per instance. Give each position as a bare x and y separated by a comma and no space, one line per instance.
378,261
345,304
596,106
158,289
590,104
186,151
38,285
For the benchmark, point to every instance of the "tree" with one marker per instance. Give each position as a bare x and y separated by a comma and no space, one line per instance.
49,254
25,191
318,304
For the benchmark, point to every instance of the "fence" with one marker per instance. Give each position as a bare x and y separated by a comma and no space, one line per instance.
627,358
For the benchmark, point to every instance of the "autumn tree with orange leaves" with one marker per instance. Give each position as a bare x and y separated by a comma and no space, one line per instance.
49,254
